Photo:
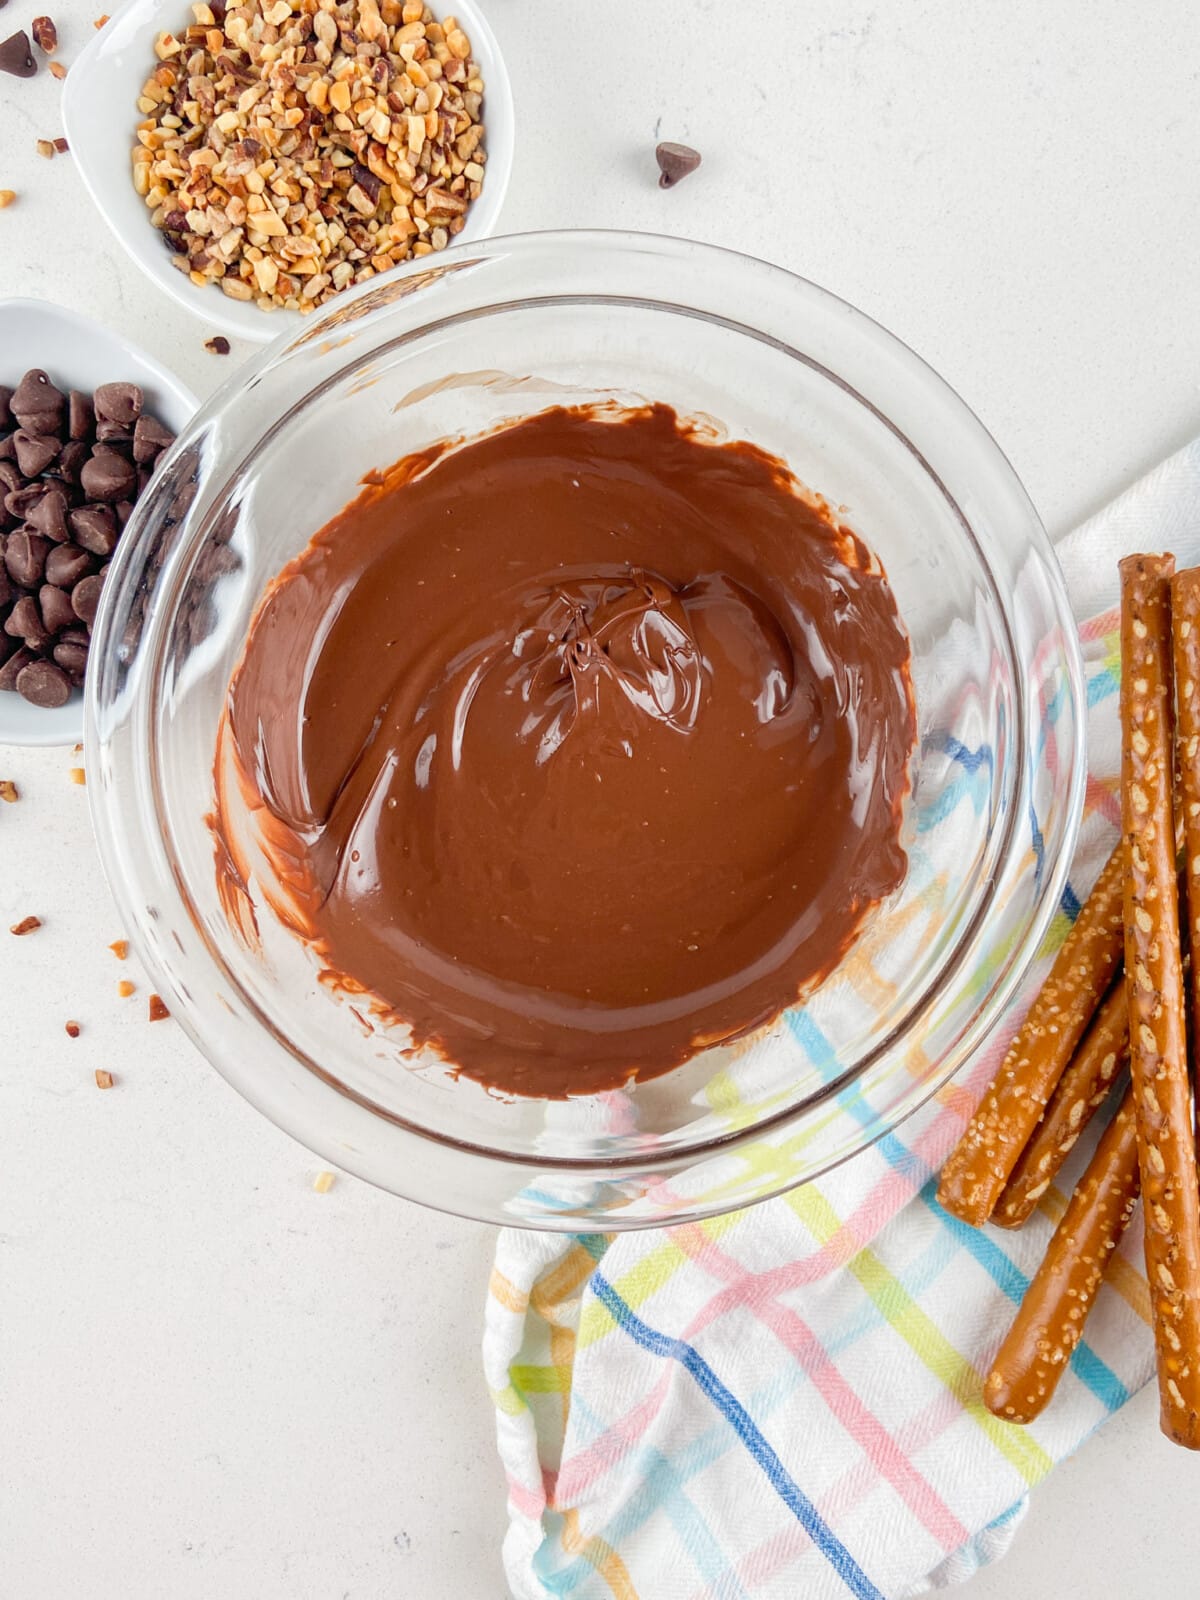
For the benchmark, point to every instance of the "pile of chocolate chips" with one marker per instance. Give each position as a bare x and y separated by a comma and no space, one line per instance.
71,469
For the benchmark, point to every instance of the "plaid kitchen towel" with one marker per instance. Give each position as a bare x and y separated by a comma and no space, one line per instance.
784,1403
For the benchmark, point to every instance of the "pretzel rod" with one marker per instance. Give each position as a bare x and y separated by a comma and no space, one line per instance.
1081,1092
1154,986
1049,1322
980,1164
1185,629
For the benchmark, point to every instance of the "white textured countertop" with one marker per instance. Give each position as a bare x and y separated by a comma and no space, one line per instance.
215,1382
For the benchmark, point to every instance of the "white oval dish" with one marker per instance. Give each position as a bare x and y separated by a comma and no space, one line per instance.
100,117
77,353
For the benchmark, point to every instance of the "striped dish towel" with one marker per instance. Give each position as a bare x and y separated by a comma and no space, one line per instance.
784,1403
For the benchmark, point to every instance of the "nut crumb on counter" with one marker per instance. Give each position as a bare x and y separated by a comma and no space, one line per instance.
125,988
104,1080
157,1009
78,775
26,925
324,1181
7,196
9,791
72,1030
120,948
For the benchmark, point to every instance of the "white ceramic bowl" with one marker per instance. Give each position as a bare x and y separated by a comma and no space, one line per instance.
100,116
78,354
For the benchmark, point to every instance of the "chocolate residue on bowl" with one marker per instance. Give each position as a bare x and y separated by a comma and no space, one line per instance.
579,746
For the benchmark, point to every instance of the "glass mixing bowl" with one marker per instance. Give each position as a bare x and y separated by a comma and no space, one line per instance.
499,330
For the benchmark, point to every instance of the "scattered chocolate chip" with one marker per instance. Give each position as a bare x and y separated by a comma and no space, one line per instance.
124,511
44,684
107,476
66,564
6,416
113,433
94,528
119,402
20,502
675,162
45,34
85,597
218,345
72,1030
25,557
35,451
26,925
56,608
157,1009
16,57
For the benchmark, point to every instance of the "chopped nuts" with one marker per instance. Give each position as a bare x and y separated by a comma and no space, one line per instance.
104,1080
72,1030
45,34
45,147
26,925
158,1011
78,775
9,790
324,1181
7,196
120,948
125,988
294,147
57,70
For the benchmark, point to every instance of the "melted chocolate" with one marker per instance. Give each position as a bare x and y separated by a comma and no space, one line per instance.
579,746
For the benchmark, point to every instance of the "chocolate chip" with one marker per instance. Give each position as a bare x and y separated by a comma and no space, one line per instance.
107,476
14,666
95,529
25,557
6,416
66,564
34,396
76,635
81,415
16,57
10,477
119,402
7,592
19,502
35,452
149,437
675,162
124,512
8,450
85,597
70,460
49,516
24,621
56,608
71,657
113,433
44,684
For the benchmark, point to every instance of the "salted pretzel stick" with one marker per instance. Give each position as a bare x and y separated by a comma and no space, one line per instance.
1154,986
980,1164
1185,628
1082,1090
1048,1325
